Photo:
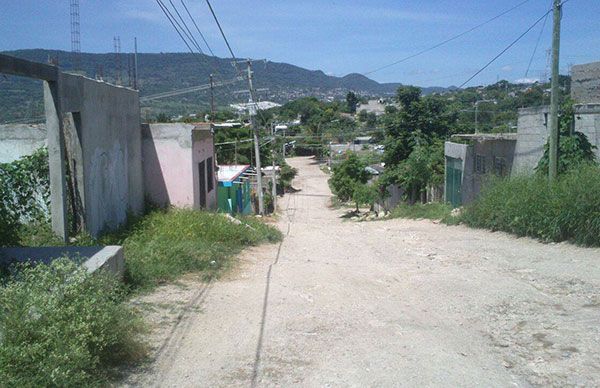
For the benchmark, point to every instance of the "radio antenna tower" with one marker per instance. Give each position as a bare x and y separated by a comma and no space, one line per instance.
75,35
117,44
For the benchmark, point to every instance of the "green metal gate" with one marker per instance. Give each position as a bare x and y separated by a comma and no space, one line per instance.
453,181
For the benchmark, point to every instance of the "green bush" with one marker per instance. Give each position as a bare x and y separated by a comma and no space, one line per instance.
166,244
568,209
63,327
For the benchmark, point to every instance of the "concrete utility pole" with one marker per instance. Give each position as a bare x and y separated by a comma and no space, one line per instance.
253,110
212,99
553,141
274,183
135,65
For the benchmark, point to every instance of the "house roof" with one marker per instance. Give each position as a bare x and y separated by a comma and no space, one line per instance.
230,172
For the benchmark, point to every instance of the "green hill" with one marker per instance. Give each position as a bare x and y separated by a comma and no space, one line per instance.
20,99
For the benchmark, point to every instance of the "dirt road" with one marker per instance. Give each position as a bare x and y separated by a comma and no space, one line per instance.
385,303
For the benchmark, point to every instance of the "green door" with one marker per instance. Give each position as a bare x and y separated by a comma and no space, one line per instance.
453,181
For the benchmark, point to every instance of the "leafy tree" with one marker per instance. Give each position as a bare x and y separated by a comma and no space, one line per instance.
163,118
573,150
352,101
365,194
347,176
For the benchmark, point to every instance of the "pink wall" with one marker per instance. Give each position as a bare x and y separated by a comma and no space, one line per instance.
168,173
171,157
202,149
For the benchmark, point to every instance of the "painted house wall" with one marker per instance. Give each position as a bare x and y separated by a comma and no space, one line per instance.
171,155
202,150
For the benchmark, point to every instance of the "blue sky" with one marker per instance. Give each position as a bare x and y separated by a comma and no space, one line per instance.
338,37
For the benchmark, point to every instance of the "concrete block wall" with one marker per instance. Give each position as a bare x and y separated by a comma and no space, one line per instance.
587,121
532,135
585,83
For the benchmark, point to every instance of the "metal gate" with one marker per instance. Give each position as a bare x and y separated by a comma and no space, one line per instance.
453,181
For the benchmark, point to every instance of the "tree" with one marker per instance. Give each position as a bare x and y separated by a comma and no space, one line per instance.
347,176
352,101
365,194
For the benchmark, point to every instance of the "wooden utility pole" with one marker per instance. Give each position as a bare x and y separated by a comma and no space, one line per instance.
252,109
554,99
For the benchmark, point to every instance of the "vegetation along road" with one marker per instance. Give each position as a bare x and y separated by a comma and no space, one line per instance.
382,303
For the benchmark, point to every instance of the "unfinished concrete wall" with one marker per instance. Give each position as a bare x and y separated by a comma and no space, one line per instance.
587,121
492,150
532,135
18,140
104,148
585,83
172,154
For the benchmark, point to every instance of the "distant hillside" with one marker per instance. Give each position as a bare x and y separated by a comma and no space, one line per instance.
162,72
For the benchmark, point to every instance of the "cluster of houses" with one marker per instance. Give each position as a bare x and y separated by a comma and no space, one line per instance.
471,157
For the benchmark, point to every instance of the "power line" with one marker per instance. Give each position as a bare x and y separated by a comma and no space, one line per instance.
167,14
197,29
189,33
537,43
447,40
505,49
223,35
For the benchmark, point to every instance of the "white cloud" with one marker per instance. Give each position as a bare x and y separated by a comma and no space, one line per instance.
507,68
526,80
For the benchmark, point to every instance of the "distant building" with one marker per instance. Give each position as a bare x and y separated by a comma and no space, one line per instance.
260,105
373,106
469,163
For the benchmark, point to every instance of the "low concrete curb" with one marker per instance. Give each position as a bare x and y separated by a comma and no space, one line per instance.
109,258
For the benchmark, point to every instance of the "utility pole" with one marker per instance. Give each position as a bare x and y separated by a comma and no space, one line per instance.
553,141
253,110
274,183
135,65
212,99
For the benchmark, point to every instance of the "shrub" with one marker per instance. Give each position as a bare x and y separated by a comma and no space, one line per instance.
347,176
568,209
60,326
166,244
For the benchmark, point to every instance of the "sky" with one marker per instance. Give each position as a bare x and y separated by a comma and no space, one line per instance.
335,36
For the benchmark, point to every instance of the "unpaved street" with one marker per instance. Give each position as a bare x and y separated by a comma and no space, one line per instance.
384,303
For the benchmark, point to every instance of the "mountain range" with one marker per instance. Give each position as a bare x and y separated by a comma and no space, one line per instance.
163,72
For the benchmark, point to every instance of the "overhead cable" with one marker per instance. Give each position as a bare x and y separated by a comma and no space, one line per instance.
447,40
506,49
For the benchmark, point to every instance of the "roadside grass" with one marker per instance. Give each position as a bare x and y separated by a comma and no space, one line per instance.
63,327
60,326
164,245
566,210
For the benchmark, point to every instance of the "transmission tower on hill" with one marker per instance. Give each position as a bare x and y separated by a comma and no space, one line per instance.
75,35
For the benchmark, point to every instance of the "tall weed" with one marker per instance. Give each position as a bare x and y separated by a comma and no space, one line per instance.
568,209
